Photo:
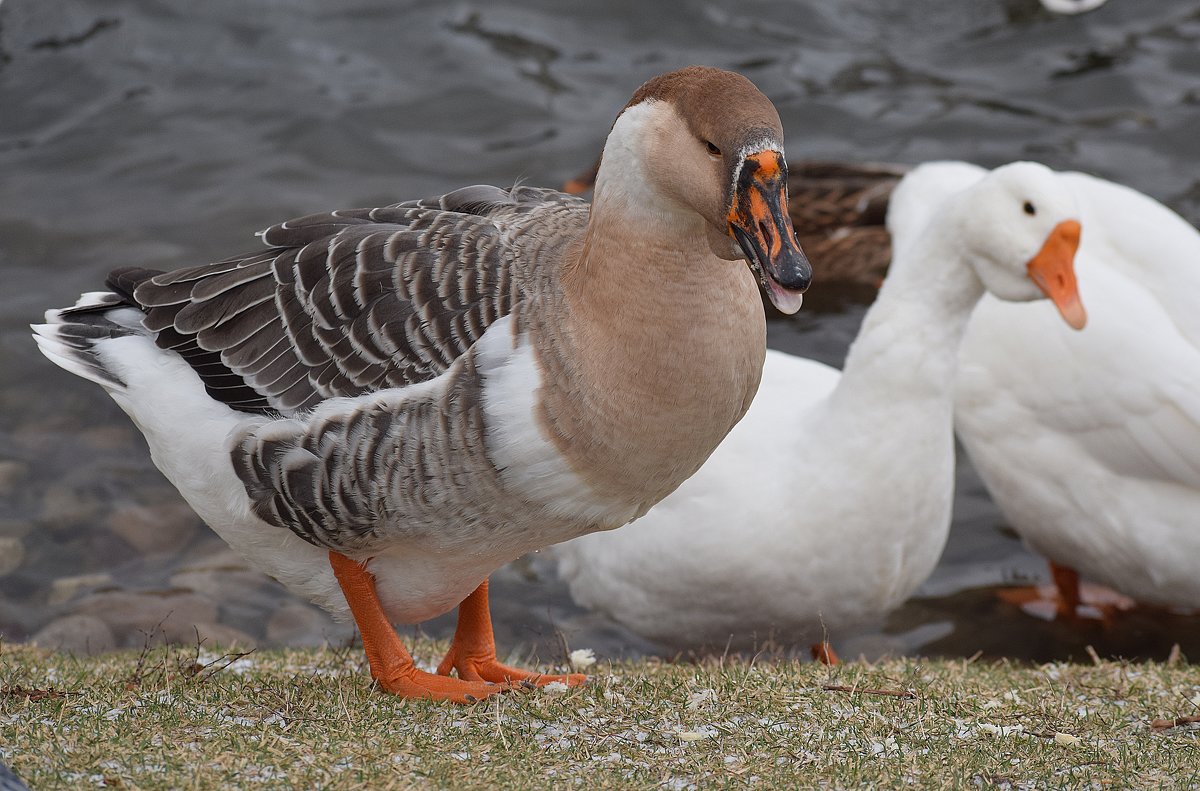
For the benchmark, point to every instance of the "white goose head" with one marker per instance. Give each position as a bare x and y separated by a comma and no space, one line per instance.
702,149
1020,225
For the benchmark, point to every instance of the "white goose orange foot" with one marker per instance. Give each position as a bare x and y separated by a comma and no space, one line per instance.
1068,598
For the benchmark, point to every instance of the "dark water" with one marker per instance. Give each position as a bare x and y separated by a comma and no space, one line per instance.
163,134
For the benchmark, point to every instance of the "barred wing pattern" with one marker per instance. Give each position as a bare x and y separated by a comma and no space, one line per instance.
343,303
361,328
340,479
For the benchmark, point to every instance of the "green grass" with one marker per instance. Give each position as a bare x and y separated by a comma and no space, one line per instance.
173,718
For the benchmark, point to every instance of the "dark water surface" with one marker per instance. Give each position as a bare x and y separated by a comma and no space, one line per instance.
163,134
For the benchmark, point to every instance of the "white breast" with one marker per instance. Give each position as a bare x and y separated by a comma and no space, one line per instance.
529,463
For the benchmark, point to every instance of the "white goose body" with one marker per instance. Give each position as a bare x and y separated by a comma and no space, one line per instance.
830,502
1090,442
432,389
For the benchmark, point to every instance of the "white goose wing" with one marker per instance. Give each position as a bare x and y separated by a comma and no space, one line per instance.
1136,235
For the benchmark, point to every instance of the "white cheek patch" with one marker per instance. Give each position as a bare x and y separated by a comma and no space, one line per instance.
622,173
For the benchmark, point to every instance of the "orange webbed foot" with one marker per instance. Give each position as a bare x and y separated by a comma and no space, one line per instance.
391,665
418,684
488,668
473,651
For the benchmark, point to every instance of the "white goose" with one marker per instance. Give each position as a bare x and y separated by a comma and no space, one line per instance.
1090,442
830,502
384,405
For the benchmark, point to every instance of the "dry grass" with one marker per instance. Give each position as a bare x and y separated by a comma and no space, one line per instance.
170,718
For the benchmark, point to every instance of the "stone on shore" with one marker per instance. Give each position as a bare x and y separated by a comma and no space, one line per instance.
136,617
163,527
12,553
76,634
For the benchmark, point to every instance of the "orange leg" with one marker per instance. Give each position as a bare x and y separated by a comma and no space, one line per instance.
1066,582
473,650
1068,599
391,664
823,652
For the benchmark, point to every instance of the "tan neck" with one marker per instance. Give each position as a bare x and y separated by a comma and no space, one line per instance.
658,356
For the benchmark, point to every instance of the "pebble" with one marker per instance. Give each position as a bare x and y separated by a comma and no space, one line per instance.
66,507
213,635
225,577
233,586
64,589
12,474
107,438
18,528
9,781
12,552
219,557
35,438
76,634
163,527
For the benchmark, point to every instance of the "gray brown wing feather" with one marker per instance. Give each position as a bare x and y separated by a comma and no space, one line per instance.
352,473
348,302
344,479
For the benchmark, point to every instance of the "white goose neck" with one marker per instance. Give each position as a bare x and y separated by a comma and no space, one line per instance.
908,345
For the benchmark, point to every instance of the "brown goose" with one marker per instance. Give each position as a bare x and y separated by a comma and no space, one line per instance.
384,405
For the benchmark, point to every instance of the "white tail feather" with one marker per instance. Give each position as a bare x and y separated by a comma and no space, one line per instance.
72,338
70,359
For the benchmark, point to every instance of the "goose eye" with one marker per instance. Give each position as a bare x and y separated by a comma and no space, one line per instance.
1029,208
712,149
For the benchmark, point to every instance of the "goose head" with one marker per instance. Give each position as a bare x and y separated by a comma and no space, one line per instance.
702,149
1021,228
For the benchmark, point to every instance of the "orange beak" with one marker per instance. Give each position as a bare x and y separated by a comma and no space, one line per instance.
759,221
1053,270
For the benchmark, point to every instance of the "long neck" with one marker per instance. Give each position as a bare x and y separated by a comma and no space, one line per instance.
906,353
657,353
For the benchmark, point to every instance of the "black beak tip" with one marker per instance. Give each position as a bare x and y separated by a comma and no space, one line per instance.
794,272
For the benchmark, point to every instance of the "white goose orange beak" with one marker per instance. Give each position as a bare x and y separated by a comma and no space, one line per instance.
1053,270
